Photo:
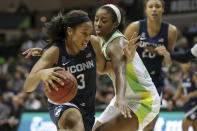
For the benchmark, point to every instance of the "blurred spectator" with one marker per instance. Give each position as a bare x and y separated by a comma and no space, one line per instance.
11,63
9,89
182,42
23,65
3,74
16,111
3,67
32,103
104,96
6,99
27,44
4,114
18,82
22,8
171,84
194,41
193,28
11,8
23,36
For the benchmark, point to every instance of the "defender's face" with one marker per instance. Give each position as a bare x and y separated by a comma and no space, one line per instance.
103,23
154,10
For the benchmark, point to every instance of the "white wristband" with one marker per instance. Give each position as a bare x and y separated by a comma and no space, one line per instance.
194,50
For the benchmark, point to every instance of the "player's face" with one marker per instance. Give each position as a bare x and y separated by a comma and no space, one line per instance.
103,24
81,35
175,77
154,10
186,66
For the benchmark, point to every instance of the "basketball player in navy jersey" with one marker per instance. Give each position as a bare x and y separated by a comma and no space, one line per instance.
187,91
157,36
73,48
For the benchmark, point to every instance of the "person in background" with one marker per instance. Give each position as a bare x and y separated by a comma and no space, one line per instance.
158,39
187,92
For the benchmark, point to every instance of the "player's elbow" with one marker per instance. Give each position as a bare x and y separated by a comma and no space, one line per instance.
28,85
101,71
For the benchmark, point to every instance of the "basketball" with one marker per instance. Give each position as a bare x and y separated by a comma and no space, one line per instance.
65,93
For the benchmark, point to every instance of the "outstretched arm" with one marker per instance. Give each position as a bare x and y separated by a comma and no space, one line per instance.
130,48
32,52
119,64
104,66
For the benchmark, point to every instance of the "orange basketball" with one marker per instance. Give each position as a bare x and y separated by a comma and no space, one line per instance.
65,93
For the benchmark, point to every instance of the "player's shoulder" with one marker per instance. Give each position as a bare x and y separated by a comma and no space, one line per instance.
51,52
131,28
95,41
134,25
172,28
94,38
119,42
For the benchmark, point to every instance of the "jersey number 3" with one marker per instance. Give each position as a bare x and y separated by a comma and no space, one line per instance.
81,81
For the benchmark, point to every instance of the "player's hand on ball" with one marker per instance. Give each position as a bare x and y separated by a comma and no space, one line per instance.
130,48
32,52
121,105
49,76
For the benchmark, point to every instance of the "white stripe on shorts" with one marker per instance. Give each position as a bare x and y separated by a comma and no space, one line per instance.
68,104
191,111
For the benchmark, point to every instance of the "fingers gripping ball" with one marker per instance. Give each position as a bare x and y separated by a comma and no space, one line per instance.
66,92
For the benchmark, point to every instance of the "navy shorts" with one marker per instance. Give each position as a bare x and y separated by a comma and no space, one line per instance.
192,116
190,111
56,110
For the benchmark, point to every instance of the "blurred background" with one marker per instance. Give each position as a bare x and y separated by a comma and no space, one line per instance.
21,22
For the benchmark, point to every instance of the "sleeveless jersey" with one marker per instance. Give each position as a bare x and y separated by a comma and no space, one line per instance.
152,61
83,67
141,94
188,87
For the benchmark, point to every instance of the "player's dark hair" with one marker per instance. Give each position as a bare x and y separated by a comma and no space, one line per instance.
56,28
162,2
114,16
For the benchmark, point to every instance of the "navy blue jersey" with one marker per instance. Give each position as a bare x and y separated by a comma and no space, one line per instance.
188,87
152,61
83,67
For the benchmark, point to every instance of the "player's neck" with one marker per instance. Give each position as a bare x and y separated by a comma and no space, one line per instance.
107,36
185,74
154,26
71,48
